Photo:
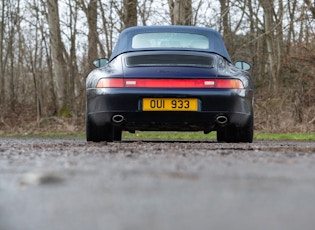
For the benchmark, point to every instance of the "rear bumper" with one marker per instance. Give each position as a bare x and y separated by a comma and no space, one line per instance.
103,104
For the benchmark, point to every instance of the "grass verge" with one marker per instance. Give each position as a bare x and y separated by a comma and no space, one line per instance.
285,136
212,136
174,136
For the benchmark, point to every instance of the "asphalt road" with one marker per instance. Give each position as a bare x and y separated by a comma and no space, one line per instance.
65,184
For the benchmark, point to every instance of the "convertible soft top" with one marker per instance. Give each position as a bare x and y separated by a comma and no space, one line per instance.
215,45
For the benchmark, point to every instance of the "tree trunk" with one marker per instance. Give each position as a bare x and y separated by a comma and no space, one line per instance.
130,13
91,15
74,76
291,33
58,61
181,12
2,62
269,28
310,7
108,27
225,14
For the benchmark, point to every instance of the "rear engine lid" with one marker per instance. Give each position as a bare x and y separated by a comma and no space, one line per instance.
169,65
170,60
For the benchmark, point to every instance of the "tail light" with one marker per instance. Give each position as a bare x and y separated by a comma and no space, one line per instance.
110,83
169,83
229,84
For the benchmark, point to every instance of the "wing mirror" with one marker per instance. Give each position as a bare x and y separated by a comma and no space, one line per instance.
242,65
100,62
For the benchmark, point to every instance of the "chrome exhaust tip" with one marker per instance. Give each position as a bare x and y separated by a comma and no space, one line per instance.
118,119
222,120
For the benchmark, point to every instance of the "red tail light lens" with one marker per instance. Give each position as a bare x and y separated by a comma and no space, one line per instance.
110,83
169,83
229,84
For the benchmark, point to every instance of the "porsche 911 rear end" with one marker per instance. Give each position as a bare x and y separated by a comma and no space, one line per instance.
169,90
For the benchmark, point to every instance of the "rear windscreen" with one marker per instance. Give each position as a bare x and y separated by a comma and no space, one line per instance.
170,40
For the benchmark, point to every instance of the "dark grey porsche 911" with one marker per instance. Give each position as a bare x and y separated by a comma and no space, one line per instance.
169,78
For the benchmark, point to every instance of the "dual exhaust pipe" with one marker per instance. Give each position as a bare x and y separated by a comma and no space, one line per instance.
118,119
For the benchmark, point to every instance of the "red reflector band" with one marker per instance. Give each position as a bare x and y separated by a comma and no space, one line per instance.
110,83
229,84
169,83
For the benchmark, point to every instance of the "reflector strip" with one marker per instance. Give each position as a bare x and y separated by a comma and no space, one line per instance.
170,83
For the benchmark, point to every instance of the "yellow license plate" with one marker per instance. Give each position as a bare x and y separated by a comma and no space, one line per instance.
170,104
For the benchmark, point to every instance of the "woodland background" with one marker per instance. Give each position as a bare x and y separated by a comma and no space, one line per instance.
47,48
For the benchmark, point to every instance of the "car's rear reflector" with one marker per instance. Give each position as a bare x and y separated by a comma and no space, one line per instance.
229,84
169,83
111,83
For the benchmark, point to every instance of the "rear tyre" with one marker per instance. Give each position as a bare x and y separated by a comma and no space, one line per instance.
226,134
237,134
106,132
246,133
116,133
94,133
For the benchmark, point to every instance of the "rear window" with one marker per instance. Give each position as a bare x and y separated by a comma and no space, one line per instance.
170,40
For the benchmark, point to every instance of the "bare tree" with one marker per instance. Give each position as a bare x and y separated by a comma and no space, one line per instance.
74,86
273,38
57,52
225,23
292,4
130,13
180,12
2,55
107,28
90,10
9,36
33,56
145,11
310,7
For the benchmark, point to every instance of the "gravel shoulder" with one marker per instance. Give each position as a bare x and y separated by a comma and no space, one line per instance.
150,184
